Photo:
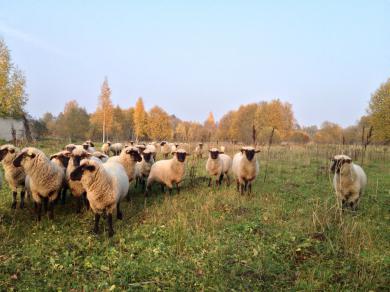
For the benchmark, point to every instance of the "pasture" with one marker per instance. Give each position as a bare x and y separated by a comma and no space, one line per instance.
288,235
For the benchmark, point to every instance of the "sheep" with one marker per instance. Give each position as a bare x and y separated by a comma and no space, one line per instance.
76,187
45,176
165,149
218,164
199,150
349,181
116,148
128,158
142,169
62,159
89,146
106,185
151,147
168,172
245,168
106,148
15,176
103,157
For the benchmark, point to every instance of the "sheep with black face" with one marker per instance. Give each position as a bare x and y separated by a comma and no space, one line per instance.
106,147
349,181
106,185
218,164
45,178
128,158
15,176
245,168
168,172
142,168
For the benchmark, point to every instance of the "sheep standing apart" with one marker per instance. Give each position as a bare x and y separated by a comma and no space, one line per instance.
116,148
106,148
106,185
199,151
142,169
218,164
168,172
165,149
245,168
128,158
349,181
45,177
15,176
62,159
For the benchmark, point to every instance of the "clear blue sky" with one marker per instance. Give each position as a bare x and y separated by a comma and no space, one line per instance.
324,57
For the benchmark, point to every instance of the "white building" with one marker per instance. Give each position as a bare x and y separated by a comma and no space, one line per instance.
9,125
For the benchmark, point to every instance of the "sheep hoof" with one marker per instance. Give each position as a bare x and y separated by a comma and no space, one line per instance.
119,216
13,206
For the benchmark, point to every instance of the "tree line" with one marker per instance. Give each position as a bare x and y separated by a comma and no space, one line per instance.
251,123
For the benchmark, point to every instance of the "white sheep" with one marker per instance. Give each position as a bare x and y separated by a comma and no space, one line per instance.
116,148
142,168
165,149
199,150
15,176
245,168
349,181
218,164
128,158
106,147
106,185
168,172
62,159
45,176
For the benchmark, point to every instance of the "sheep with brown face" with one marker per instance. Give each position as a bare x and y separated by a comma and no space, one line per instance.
15,176
106,147
245,168
168,172
199,151
349,181
45,177
218,164
106,185
165,149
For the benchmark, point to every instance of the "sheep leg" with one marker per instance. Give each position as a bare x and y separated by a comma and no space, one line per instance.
78,203
22,194
220,179
109,223
250,188
119,214
162,188
51,210
85,199
228,179
238,185
209,181
178,188
45,203
136,182
14,195
38,208
246,186
96,226
63,196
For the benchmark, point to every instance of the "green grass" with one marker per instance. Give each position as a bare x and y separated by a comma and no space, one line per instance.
289,235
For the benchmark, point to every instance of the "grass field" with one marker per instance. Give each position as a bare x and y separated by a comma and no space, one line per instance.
289,235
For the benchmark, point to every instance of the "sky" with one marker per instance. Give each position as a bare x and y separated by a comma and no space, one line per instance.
326,58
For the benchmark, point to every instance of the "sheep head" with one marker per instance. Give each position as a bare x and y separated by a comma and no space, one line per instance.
77,155
214,153
180,155
147,155
62,156
249,152
133,152
8,152
86,166
26,157
338,161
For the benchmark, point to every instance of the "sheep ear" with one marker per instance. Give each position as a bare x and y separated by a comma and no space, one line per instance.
348,160
53,156
174,152
92,145
257,151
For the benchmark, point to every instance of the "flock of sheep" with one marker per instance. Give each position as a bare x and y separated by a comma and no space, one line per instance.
101,182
